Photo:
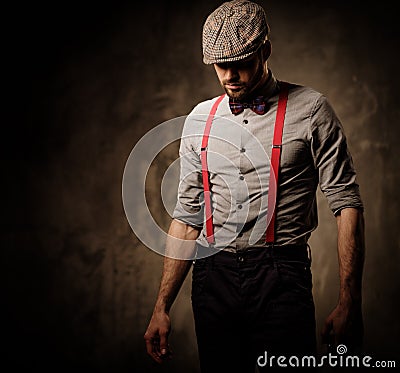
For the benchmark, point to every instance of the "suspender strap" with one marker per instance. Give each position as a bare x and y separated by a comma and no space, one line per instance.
205,173
275,161
274,167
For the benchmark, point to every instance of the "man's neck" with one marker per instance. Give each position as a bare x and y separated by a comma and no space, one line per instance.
262,88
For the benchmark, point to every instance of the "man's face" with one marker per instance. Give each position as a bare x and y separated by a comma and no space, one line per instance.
240,78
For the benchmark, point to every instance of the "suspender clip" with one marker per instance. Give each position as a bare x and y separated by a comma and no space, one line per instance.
277,146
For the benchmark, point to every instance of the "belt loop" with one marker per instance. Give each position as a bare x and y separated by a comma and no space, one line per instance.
309,253
275,258
272,248
210,260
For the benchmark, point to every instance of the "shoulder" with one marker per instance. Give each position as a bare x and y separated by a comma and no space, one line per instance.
204,107
195,121
313,102
304,94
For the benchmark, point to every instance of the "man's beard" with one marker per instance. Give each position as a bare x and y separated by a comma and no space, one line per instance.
246,90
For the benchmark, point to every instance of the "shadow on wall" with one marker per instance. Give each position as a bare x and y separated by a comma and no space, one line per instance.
78,285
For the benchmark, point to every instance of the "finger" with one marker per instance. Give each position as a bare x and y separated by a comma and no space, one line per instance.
338,337
152,346
156,347
158,355
149,345
164,349
326,330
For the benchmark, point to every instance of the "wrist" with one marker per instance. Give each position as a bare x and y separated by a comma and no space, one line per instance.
161,307
350,300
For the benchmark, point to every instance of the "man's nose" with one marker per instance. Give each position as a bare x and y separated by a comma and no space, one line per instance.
231,73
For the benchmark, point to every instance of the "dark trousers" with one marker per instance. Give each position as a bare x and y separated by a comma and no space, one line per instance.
251,304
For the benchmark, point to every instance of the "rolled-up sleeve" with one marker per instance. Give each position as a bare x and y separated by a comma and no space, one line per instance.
189,205
337,176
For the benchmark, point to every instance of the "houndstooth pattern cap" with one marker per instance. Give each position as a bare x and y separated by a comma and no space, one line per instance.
234,31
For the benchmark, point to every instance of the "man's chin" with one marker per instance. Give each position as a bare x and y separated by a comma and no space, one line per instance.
235,94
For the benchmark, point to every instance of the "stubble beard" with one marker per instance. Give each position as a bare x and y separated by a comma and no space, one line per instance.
246,89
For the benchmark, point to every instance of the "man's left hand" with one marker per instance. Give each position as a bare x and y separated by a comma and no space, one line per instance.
344,326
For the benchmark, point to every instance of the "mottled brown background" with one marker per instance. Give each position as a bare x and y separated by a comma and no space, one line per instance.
83,83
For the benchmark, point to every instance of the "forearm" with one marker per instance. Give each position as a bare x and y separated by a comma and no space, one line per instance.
351,251
180,246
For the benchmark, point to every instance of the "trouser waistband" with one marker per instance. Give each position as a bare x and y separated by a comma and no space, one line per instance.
284,252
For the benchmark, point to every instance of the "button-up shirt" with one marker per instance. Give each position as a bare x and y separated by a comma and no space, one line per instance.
314,152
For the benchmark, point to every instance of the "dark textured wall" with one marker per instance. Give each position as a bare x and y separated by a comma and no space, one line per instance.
83,83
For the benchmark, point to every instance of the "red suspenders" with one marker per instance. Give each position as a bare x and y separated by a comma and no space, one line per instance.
275,161
205,173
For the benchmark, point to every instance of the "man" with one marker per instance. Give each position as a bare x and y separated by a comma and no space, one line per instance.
261,150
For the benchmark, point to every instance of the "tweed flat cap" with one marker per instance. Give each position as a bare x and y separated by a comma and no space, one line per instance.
234,31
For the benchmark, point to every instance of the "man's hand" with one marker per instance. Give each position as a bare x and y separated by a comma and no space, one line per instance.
181,240
344,326
156,337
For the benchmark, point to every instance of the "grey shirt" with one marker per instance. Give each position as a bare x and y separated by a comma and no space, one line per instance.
314,152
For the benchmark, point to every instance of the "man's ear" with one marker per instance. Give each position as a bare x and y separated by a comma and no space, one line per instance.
266,50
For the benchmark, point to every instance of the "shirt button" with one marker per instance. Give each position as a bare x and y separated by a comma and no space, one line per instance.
240,206
241,177
242,150
245,121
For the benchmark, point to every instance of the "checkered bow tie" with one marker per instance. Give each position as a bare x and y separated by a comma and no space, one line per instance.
257,105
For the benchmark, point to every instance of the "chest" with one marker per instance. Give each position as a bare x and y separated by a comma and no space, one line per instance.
244,145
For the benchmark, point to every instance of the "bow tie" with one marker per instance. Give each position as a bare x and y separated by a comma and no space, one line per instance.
257,105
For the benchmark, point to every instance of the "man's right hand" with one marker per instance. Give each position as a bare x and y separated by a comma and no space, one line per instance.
156,337
181,239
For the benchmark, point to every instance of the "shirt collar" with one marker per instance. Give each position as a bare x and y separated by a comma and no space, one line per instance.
269,88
